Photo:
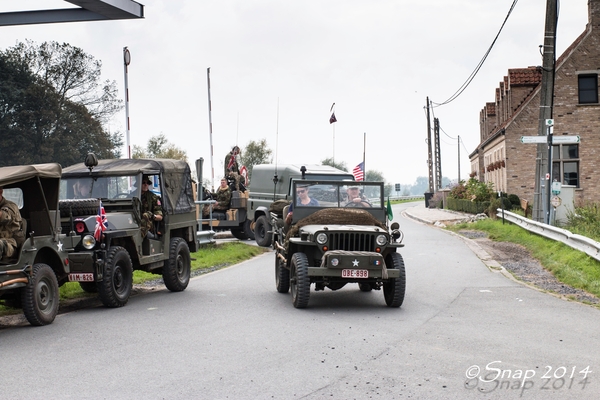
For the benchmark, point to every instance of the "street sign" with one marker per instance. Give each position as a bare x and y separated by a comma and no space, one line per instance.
534,139
549,122
555,201
565,139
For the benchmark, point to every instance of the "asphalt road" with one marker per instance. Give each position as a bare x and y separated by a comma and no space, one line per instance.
230,335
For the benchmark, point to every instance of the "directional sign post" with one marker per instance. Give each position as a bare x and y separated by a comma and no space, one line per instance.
566,139
534,139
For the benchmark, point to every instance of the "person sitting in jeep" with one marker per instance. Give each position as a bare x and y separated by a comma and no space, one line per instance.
151,207
355,199
11,235
82,189
302,198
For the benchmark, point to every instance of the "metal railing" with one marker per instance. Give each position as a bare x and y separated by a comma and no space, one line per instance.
575,241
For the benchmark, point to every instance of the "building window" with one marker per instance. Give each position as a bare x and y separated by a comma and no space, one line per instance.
565,164
588,88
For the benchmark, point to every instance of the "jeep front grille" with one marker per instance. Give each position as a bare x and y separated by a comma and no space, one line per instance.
351,241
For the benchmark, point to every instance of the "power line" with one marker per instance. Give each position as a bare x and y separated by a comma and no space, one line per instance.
476,70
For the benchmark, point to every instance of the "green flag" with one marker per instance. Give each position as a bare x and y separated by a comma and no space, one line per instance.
390,214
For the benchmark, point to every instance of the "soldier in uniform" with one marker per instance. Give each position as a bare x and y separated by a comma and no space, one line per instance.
151,207
223,196
11,235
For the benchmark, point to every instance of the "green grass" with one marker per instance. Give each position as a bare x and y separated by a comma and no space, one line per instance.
207,258
568,265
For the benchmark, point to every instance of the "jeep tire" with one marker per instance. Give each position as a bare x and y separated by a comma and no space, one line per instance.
177,269
40,297
299,280
282,276
115,288
394,288
261,231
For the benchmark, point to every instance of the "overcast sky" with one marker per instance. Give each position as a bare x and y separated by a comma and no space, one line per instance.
378,60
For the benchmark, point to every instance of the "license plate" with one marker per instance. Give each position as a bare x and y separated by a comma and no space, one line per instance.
355,273
81,277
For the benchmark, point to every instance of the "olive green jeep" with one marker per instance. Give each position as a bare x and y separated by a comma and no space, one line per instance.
100,203
337,234
31,277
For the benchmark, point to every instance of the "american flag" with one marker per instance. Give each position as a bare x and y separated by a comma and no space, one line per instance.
101,223
359,172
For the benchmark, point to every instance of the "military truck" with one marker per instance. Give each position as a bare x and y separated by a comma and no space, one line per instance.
31,277
107,218
341,236
271,183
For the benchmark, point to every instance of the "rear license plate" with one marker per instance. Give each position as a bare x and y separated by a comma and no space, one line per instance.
355,273
81,277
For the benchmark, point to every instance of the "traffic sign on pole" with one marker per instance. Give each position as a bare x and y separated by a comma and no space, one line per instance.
566,139
534,139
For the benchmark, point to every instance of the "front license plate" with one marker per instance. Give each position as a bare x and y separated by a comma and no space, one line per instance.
81,277
355,273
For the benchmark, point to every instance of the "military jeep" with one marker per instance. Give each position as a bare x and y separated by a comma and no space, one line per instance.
332,241
107,217
31,277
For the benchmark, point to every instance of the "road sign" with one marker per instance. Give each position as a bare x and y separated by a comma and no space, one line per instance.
555,201
566,139
534,139
549,122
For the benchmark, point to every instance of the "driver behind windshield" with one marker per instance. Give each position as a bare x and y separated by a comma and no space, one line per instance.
302,199
355,199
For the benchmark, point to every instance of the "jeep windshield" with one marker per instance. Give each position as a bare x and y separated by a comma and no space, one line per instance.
104,187
328,194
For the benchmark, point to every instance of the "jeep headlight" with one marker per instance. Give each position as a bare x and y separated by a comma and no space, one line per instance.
88,242
381,240
321,238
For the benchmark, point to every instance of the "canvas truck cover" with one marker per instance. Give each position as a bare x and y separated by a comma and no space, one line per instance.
10,175
177,196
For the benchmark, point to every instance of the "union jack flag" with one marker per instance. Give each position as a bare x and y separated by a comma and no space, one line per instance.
101,223
359,172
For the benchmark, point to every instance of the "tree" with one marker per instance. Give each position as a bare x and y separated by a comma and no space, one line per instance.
159,147
420,186
256,152
41,119
339,165
376,176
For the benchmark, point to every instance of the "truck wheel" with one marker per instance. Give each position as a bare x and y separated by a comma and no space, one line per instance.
115,287
282,276
394,288
239,233
177,269
89,287
300,282
261,231
248,230
40,297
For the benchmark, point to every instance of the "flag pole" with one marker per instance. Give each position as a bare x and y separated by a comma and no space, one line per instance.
210,131
332,121
364,155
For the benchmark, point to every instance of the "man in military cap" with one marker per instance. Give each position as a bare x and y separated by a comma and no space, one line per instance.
11,235
355,199
151,207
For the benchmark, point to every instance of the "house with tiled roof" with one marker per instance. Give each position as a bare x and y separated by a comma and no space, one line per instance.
501,158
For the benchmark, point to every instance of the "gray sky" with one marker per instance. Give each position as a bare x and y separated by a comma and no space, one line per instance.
377,60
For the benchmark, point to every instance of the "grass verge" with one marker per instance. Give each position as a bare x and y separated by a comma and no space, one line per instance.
568,265
208,258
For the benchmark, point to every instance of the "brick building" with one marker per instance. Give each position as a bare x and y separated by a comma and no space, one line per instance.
510,165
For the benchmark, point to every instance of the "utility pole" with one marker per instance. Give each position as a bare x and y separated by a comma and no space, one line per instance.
438,154
543,159
458,158
429,160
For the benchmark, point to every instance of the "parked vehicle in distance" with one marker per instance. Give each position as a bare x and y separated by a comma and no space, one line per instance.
31,277
340,236
104,260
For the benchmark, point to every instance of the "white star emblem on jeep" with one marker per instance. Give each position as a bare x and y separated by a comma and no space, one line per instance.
60,246
355,263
